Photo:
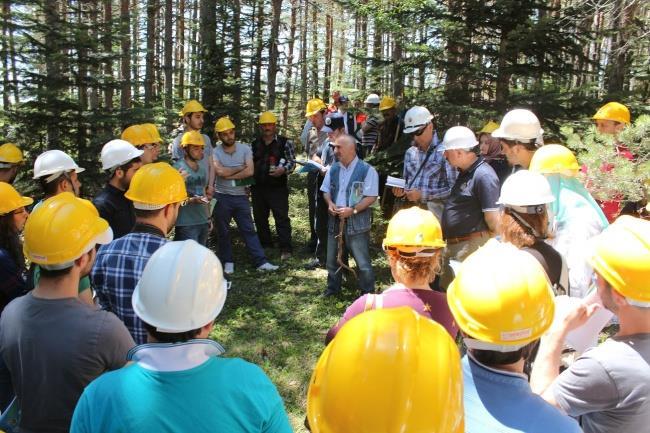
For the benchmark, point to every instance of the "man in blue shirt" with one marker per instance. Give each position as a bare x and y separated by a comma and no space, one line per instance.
178,382
502,301
349,189
157,192
428,175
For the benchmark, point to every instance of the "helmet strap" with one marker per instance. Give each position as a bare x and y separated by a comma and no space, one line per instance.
512,212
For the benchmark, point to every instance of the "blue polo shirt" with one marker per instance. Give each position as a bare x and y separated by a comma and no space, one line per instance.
499,401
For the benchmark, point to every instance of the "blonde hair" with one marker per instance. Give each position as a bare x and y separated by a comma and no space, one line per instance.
415,268
518,234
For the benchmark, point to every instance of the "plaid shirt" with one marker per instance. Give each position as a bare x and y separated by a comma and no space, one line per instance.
117,270
435,179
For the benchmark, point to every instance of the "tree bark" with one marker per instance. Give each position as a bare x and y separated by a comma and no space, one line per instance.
168,66
375,71
289,66
194,71
398,75
329,40
362,53
6,25
52,51
180,49
303,55
152,7
256,98
135,52
619,60
108,48
272,70
236,61
314,52
125,64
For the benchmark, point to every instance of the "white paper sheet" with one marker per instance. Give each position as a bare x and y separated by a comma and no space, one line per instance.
586,336
395,181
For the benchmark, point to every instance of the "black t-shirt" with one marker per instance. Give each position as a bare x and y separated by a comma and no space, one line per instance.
476,190
115,208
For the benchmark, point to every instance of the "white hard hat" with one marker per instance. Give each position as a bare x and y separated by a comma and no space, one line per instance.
118,152
458,137
373,98
525,188
52,163
181,289
416,118
519,124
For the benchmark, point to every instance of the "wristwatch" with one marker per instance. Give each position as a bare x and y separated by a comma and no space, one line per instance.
354,211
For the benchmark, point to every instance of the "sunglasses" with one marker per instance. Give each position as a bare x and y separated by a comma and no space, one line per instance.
419,131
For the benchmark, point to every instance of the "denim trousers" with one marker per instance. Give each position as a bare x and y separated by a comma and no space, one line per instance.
358,246
239,208
197,232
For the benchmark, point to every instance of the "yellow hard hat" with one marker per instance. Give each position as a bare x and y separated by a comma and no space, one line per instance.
622,256
156,185
613,111
388,370
501,296
386,103
192,106
489,127
10,199
314,106
223,124
153,132
63,228
137,135
194,138
267,117
10,154
554,158
413,230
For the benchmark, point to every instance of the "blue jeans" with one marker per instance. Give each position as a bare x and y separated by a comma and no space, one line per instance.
198,232
358,246
239,208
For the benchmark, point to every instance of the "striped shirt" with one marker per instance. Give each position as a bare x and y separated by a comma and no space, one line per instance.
435,179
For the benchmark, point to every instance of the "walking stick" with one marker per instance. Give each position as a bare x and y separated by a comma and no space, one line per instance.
341,245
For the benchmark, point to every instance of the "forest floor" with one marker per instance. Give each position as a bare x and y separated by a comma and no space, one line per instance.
279,320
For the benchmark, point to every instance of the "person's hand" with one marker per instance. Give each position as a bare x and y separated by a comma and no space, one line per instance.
579,316
331,208
199,199
345,212
279,171
414,195
209,192
398,192
183,173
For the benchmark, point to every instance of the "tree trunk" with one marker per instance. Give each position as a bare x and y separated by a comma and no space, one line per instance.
619,60
135,52
375,71
108,48
180,49
125,64
194,71
52,51
259,47
95,31
152,7
207,48
6,24
272,70
303,55
169,44
327,74
82,58
314,52
398,75
236,59
362,52
341,60
289,66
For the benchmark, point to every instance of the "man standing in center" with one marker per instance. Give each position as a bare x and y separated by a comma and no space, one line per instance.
428,176
233,163
274,159
350,187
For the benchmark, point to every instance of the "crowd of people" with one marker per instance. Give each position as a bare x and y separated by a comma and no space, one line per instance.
105,320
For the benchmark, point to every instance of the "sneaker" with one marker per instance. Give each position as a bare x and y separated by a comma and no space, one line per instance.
267,267
229,268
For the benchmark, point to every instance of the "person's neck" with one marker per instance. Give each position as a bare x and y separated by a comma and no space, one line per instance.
633,321
425,145
228,148
158,222
517,367
268,140
66,286
346,165
415,284
468,163
114,182
191,162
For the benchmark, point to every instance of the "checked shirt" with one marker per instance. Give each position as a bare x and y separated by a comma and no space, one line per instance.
437,176
117,270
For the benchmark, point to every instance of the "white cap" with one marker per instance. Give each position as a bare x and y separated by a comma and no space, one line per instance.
458,137
118,152
182,288
373,98
525,188
53,163
416,118
519,124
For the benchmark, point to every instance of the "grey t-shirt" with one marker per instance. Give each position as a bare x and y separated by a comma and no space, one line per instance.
52,349
238,158
608,387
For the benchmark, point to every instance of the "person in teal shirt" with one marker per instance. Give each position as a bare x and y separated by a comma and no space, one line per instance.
178,381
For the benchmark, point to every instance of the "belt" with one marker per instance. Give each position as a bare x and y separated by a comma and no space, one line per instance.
459,239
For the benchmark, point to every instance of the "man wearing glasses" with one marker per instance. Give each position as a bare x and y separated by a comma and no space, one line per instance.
157,191
428,176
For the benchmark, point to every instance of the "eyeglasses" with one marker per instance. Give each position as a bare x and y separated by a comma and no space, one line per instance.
185,202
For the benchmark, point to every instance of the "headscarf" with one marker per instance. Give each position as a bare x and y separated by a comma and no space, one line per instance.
494,148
